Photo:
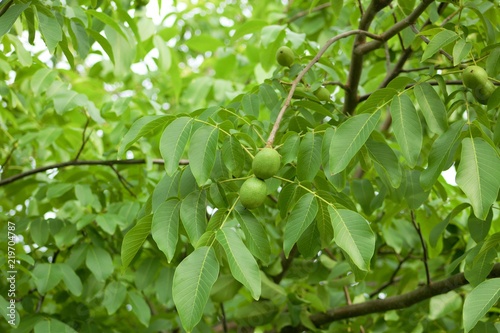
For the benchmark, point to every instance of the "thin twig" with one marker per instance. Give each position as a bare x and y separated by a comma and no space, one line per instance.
427,41
122,180
299,77
361,10
308,11
335,83
80,162
392,279
4,165
424,248
84,139
399,33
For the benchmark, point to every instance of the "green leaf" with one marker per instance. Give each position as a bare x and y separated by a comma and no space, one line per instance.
99,262
353,235
165,227
249,27
51,325
204,43
193,280
139,307
80,38
251,105
324,224
432,107
349,138
103,42
440,153
103,17
479,301
173,142
42,79
39,231
443,305
51,31
233,155
460,51
439,228
479,265
167,187
114,295
46,277
202,152
440,40
71,279
386,161
376,100
193,215
478,174
255,235
242,264
407,128
479,229
10,16
134,238
301,216
164,57
309,158
141,127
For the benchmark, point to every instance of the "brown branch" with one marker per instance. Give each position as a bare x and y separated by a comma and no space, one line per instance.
361,10
392,31
356,66
78,163
299,77
306,12
424,247
396,302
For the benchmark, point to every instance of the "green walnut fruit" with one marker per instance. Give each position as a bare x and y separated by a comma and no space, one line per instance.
285,56
266,163
483,93
322,94
253,192
474,77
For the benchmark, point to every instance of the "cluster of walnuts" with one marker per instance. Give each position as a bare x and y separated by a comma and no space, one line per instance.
476,79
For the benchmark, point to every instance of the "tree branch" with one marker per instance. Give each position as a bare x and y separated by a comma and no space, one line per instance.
78,163
299,77
356,67
389,33
396,302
